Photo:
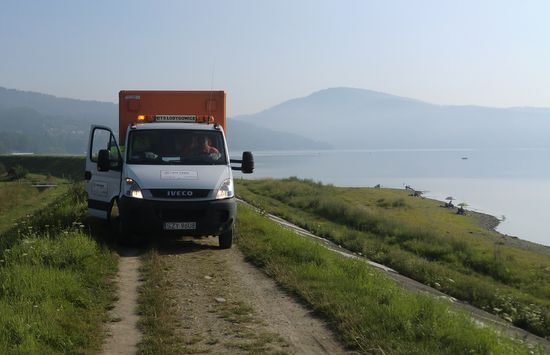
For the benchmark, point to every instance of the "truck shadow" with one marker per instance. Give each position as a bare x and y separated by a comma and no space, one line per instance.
106,235
175,247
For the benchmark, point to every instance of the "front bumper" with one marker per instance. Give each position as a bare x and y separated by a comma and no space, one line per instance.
148,216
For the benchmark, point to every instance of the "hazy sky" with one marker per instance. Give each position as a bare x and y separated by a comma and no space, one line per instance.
492,53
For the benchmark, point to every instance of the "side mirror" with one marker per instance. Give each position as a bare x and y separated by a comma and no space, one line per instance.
103,163
248,163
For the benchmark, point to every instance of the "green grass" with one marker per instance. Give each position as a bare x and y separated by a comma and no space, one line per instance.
48,211
366,309
17,199
54,280
157,321
417,237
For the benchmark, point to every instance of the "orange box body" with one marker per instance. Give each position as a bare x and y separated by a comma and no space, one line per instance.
133,103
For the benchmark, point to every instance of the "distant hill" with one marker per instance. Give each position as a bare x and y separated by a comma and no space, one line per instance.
245,136
26,130
331,118
84,111
40,123
357,118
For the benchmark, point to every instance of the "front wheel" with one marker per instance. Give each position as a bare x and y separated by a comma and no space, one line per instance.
226,239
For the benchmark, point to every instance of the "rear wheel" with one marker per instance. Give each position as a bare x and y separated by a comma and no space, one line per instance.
226,239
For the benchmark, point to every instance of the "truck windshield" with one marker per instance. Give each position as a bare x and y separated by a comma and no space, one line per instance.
176,147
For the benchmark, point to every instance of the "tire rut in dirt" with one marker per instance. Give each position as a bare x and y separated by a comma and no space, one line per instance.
122,328
225,305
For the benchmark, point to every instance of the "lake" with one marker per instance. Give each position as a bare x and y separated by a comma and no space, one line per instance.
513,185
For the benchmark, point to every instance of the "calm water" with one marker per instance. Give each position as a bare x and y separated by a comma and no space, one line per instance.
513,185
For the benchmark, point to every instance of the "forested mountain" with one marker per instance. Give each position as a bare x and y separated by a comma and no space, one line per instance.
39,123
357,118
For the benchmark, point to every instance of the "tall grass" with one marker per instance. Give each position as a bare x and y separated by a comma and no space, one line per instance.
57,212
54,282
17,200
369,312
421,240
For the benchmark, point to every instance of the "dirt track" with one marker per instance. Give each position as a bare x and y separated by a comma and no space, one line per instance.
223,304
122,328
227,306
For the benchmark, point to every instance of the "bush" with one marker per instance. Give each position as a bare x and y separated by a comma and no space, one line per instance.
2,169
17,172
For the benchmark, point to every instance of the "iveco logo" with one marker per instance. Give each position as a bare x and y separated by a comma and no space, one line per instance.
179,193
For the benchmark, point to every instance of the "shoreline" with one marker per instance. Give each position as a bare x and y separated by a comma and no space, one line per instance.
491,222
487,221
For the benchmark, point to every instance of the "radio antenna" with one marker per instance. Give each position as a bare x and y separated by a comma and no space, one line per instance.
209,108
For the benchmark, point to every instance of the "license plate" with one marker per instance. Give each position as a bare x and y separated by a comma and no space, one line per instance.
180,225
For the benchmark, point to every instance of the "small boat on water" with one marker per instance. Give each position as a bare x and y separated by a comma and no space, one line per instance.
464,158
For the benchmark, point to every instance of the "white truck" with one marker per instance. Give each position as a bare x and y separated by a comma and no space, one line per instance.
173,176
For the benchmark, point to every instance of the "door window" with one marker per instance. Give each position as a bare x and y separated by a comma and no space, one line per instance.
104,139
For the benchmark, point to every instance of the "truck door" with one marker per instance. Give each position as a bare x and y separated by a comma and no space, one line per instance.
102,187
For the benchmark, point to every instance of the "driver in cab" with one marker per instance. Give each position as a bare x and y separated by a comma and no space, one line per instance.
202,145
205,146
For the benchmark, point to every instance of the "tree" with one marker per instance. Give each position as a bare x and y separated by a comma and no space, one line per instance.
17,172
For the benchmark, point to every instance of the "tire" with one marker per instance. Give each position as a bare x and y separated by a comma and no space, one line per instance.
226,239
113,213
123,234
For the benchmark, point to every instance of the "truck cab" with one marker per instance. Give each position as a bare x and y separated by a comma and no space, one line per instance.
174,175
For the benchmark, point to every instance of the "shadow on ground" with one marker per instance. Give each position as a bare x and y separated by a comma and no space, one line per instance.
105,233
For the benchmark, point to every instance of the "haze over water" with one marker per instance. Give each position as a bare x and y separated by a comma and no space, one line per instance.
513,185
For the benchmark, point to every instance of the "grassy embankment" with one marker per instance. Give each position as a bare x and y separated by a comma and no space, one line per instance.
417,237
19,198
368,311
54,277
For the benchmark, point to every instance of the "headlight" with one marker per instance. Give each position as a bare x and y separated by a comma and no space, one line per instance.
132,189
226,190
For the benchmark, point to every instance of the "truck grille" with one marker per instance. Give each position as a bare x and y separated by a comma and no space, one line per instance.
180,193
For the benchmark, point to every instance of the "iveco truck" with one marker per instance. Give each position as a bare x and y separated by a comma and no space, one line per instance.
172,174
